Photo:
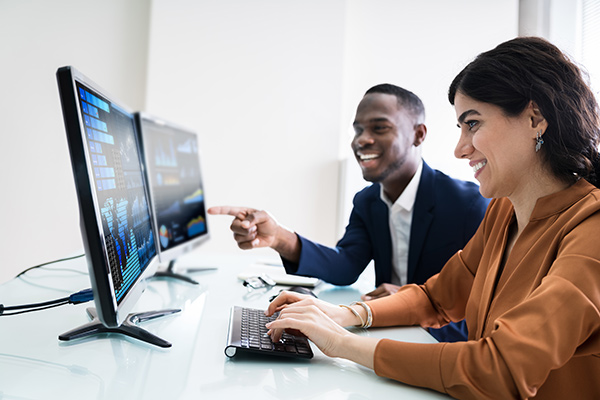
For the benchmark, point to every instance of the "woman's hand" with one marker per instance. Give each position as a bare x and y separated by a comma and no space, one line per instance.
322,323
339,315
309,320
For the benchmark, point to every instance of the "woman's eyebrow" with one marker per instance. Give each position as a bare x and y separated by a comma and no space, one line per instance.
464,115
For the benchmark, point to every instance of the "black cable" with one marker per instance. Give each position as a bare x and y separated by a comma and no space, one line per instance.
49,262
76,298
35,305
2,314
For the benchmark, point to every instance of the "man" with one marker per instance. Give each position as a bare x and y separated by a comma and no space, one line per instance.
410,221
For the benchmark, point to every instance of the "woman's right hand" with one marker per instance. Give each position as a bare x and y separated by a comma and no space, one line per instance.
322,323
310,321
340,315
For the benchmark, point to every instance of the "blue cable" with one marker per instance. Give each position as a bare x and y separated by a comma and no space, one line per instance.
83,296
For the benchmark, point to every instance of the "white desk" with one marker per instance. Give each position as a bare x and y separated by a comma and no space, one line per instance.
34,364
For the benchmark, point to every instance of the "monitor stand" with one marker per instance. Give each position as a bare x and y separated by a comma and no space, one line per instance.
128,327
170,273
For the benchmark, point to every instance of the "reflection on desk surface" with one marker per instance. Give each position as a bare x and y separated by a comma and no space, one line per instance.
35,365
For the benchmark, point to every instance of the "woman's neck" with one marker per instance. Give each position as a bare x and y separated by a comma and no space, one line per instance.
524,202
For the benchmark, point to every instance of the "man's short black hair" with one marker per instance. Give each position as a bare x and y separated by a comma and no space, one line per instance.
407,99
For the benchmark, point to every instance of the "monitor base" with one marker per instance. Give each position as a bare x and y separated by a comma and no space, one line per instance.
128,327
169,273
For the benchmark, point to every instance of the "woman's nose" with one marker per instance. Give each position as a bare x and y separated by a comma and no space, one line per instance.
464,147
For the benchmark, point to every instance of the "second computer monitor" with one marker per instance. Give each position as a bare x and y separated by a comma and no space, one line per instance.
172,166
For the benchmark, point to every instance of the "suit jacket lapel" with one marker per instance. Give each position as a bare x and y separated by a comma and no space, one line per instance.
381,236
422,218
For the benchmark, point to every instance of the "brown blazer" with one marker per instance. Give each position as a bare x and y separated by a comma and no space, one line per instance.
534,328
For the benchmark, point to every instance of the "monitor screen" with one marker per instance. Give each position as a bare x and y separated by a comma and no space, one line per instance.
115,217
172,165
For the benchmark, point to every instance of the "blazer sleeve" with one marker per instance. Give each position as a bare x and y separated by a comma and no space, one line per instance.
339,265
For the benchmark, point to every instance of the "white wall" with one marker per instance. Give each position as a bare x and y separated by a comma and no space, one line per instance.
556,20
260,81
107,41
270,85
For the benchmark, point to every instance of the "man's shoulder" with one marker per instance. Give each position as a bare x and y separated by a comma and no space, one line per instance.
371,192
450,193
448,185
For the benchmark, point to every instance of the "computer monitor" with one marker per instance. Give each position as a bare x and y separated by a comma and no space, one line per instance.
172,167
116,225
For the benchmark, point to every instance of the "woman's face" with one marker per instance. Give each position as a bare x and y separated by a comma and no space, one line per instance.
500,149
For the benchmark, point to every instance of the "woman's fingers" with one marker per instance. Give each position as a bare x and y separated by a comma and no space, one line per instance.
284,299
310,321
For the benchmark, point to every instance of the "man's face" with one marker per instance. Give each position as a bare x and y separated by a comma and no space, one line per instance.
384,137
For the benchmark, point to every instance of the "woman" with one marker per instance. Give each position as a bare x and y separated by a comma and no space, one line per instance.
528,282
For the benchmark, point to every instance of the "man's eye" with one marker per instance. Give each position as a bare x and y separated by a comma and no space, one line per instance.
379,128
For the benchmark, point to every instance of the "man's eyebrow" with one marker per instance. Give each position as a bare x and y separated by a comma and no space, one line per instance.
371,121
464,115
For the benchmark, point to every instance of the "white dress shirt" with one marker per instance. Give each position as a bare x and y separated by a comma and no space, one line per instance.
400,220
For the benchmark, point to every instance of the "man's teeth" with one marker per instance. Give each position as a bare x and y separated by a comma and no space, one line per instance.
364,157
479,165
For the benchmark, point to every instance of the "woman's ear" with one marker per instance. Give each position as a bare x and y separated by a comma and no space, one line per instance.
538,122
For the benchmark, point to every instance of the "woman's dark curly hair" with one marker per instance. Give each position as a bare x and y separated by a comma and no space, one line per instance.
532,69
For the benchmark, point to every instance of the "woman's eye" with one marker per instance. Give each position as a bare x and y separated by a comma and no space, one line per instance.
471,124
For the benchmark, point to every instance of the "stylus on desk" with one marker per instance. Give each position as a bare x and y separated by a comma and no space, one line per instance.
273,263
200,269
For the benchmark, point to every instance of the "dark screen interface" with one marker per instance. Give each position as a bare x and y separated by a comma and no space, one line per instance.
119,189
177,190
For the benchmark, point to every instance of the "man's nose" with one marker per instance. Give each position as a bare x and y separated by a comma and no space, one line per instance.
363,139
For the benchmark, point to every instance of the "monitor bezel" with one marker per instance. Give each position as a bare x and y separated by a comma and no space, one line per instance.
173,253
110,312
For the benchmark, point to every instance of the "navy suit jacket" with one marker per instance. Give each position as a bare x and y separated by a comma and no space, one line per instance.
446,214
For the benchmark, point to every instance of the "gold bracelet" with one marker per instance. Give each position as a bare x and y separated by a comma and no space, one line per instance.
362,321
369,313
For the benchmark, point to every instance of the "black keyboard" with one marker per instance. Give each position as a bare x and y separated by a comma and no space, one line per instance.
247,333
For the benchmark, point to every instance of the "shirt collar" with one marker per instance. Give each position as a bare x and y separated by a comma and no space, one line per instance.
560,201
408,196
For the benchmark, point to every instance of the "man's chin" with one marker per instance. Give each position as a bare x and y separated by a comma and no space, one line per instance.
371,178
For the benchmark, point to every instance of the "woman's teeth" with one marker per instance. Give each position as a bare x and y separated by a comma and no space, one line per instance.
479,165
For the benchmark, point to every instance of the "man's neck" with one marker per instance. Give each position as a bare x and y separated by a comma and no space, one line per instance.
394,186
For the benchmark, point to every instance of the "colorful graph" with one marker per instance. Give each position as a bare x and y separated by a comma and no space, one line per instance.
196,226
195,197
165,236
